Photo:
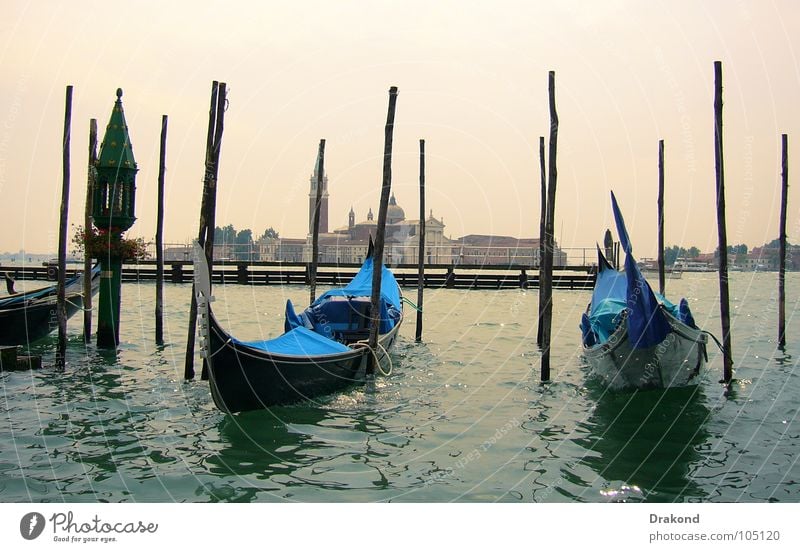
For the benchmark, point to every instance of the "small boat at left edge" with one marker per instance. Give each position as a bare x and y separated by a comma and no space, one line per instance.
30,316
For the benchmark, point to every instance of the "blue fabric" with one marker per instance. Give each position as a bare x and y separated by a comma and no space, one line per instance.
610,299
605,318
291,319
294,320
589,337
685,314
647,325
339,313
299,342
361,286
336,315
609,285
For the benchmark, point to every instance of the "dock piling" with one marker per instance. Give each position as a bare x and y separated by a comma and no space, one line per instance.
542,221
782,241
162,168
8,358
377,254
547,279
207,206
724,297
61,308
87,227
319,168
421,259
661,267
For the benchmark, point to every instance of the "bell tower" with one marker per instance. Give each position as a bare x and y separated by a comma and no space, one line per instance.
323,207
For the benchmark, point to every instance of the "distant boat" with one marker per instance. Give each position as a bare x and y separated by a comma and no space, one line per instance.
322,350
633,338
27,317
688,265
671,273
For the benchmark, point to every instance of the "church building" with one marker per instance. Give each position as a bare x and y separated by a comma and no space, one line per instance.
349,243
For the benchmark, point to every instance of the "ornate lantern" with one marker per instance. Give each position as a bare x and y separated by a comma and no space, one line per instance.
115,187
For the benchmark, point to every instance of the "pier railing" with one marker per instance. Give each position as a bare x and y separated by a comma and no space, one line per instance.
331,274
336,253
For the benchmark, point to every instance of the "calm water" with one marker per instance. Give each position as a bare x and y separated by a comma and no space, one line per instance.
462,418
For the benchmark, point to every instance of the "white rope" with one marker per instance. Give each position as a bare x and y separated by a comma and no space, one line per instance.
364,344
212,355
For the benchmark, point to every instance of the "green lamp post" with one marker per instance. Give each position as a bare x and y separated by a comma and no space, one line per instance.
114,197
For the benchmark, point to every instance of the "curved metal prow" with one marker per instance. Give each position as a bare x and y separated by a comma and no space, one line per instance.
202,294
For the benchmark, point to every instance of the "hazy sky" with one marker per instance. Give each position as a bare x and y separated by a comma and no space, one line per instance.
472,80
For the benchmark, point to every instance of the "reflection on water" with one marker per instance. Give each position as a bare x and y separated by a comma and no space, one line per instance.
262,443
462,418
644,444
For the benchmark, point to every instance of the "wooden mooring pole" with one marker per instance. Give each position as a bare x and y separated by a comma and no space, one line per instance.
421,257
547,314
61,308
661,267
208,205
211,214
782,242
377,253
724,296
87,227
320,166
162,169
188,372
542,222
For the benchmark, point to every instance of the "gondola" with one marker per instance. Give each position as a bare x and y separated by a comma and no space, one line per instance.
323,349
634,338
27,317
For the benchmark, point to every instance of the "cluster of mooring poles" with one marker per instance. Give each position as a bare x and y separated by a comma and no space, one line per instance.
109,212
205,237
110,202
548,191
547,241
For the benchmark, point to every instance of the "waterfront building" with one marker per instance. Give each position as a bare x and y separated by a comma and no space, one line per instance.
349,243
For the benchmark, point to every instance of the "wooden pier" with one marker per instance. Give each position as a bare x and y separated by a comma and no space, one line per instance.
275,273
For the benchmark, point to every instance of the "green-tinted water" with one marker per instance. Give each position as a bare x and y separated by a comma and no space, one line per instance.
462,418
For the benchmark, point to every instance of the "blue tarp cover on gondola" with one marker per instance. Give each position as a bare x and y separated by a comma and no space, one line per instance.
647,326
361,286
298,342
615,292
341,314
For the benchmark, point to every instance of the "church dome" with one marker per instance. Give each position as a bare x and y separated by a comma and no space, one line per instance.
394,213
